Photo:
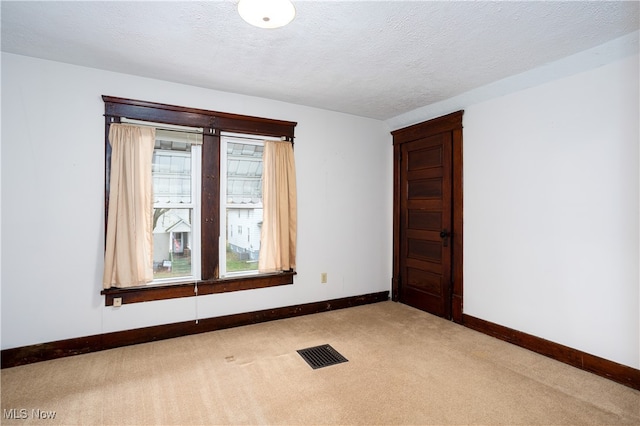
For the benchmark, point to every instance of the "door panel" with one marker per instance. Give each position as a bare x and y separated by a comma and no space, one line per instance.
424,249
424,220
426,212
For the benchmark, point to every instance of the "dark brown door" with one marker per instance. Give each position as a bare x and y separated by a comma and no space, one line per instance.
424,221
425,248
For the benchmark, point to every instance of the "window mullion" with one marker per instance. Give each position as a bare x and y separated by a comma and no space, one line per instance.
210,206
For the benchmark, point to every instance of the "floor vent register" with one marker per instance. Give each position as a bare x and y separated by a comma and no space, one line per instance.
321,356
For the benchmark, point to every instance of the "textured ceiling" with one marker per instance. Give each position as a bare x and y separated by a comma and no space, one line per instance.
376,59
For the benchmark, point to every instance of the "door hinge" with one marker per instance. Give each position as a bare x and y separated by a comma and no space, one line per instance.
395,286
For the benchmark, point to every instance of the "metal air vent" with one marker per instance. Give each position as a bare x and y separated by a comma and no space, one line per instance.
321,356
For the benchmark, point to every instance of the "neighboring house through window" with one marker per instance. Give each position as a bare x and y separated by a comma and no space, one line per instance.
242,182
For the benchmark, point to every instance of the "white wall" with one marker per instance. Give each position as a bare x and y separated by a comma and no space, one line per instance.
53,215
551,208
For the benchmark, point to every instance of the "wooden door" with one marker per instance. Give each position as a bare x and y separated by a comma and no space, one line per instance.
424,221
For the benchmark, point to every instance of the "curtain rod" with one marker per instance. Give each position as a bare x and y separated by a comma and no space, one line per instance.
163,126
262,139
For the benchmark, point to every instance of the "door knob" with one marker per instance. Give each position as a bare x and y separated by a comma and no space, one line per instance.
444,234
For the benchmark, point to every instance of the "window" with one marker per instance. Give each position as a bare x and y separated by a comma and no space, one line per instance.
176,218
241,199
202,190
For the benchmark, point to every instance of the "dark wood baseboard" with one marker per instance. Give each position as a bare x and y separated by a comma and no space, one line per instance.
620,373
63,348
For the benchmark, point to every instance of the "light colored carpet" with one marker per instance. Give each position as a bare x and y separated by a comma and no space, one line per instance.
405,367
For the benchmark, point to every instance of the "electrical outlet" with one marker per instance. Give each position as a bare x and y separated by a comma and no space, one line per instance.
117,302
323,278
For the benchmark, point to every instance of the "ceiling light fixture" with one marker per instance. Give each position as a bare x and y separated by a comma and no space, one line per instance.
267,13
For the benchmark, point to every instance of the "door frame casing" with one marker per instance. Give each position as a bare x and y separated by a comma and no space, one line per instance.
447,123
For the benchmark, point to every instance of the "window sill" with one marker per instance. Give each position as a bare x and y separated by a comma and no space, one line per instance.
147,294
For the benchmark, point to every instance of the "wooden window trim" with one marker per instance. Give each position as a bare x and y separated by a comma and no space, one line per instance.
193,117
212,122
199,288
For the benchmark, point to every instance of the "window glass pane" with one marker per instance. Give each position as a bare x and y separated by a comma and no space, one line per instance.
174,208
164,163
171,174
244,207
177,165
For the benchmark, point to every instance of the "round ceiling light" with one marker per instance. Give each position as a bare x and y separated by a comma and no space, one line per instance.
267,13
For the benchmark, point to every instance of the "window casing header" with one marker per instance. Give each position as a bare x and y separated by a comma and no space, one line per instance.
211,121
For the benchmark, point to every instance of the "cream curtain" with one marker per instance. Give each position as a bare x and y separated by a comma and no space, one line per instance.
128,259
279,223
